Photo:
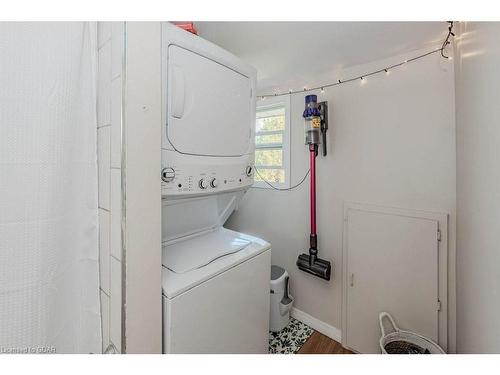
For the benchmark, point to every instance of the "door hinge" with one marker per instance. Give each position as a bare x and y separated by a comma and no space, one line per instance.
439,235
438,305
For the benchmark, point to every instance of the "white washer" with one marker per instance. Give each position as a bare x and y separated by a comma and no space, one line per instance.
214,302
215,281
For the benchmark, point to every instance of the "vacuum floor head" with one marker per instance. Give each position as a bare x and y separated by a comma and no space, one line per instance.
318,267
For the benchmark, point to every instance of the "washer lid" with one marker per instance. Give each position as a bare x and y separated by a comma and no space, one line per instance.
195,253
174,284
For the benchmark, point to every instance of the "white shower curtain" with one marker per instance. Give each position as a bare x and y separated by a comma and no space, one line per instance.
49,287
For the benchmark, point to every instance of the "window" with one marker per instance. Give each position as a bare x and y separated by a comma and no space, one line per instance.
272,142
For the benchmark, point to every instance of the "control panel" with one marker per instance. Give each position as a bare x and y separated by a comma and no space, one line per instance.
176,181
187,176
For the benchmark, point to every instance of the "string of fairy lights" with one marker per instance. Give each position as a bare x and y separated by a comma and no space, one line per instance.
322,88
385,70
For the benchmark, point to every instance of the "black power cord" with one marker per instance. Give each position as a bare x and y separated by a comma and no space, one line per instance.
283,189
447,40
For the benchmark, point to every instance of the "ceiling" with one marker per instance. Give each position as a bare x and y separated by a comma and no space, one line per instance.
290,52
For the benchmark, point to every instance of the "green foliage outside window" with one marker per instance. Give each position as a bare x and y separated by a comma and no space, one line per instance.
270,124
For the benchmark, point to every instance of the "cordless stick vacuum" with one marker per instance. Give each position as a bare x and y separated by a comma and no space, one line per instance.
316,124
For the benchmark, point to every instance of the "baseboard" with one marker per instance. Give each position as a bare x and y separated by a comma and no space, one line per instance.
326,329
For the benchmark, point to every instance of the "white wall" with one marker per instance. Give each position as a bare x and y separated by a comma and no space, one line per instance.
130,229
109,128
142,142
391,143
478,187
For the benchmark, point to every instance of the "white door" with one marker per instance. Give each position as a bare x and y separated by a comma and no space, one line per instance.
392,265
208,103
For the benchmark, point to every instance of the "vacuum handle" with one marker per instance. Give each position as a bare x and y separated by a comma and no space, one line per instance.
323,133
323,110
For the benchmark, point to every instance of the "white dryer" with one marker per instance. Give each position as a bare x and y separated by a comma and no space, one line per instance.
209,116
215,281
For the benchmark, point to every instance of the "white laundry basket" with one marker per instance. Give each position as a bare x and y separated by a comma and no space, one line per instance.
405,342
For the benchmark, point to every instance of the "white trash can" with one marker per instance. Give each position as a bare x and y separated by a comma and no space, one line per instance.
281,301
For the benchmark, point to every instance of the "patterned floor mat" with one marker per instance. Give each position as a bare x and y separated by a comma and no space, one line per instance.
290,339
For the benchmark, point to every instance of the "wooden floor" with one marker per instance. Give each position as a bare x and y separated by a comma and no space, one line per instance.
321,344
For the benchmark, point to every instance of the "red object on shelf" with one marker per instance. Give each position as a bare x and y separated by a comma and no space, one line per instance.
188,26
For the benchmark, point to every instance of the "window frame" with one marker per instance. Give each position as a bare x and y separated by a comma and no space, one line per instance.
269,103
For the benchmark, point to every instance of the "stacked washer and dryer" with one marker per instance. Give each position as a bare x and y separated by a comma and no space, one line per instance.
215,281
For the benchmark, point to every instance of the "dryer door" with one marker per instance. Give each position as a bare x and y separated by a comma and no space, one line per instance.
208,104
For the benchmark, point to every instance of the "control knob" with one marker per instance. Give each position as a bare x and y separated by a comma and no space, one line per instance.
168,174
249,170
214,182
203,183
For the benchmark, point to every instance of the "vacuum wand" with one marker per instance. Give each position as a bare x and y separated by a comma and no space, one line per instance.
310,263
313,251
